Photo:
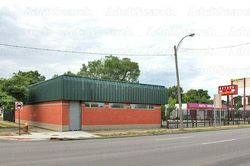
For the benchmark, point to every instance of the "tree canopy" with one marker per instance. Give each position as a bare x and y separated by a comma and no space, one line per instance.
237,102
171,106
197,96
111,68
17,85
6,99
172,92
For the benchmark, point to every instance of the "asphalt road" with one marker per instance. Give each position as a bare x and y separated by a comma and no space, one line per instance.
219,148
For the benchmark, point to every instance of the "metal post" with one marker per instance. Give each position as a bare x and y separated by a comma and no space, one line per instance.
244,99
177,119
232,110
19,128
178,89
196,117
166,115
178,80
204,118
214,118
228,110
220,117
224,116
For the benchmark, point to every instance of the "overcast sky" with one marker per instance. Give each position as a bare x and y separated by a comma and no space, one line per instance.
129,26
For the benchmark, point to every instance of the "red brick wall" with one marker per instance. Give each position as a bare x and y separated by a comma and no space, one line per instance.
56,112
116,116
53,112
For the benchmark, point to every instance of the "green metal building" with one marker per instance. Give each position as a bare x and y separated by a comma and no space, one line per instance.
80,103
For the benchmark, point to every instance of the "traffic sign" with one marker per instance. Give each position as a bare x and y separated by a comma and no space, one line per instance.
18,105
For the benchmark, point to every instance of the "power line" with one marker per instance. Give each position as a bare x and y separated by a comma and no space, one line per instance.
80,52
216,48
120,54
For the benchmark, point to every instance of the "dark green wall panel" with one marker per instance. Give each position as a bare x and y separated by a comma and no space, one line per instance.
86,89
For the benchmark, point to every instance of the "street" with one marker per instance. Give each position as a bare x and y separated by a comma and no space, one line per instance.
222,148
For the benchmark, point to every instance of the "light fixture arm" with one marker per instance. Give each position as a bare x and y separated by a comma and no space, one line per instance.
178,45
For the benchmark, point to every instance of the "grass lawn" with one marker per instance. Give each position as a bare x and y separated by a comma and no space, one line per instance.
8,128
142,132
7,124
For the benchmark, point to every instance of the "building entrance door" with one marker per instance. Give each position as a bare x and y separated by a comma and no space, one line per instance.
74,115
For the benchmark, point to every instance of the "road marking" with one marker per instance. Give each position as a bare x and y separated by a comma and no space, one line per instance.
221,141
175,138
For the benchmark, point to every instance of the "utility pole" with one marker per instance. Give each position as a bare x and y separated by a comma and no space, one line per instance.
178,79
178,89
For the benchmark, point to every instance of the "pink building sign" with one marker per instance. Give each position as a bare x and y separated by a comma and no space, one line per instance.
202,106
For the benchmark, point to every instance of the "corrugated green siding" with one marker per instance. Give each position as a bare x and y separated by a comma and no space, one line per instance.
87,89
45,91
76,89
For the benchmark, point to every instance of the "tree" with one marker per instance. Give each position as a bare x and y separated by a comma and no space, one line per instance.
55,75
163,108
197,96
17,85
111,68
69,73
237,106
171,106
2,81
66,73
173,93
6,100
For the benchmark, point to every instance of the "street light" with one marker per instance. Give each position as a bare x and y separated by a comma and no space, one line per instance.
178,79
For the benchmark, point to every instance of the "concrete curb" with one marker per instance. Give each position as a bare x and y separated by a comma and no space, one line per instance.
81,135
13,138
175,132
68,139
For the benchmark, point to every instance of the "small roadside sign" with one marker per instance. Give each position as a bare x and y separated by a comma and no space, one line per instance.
18,105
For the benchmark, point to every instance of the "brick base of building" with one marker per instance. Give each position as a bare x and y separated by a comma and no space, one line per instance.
54,115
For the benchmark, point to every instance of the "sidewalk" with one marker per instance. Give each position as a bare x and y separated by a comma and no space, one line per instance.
69,135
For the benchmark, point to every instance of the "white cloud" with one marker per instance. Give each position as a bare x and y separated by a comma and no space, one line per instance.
140,27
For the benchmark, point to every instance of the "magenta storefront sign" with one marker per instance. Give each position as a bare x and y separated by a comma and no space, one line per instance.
202,106
199,106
